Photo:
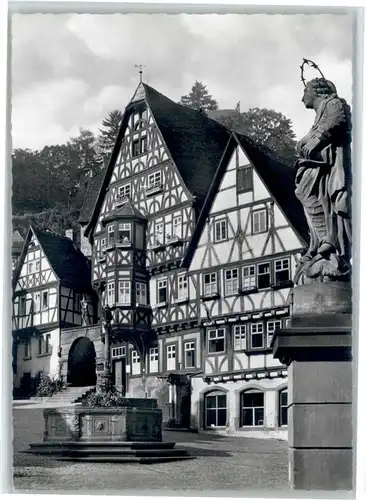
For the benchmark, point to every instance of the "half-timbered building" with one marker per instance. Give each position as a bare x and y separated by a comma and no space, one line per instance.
51,279
193,232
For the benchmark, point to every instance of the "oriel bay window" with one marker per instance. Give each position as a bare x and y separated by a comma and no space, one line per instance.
256,336
171,357
162,291
240,337
272,326
216,340
141,294
189,355
110,232
124,233
124,292
264,275
210,284
231,281
252,408
215,409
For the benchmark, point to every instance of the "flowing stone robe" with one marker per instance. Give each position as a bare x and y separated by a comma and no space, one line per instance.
323,179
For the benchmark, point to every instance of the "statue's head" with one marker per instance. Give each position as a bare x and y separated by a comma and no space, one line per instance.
318,88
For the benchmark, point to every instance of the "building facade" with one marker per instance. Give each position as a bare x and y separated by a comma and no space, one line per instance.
194,234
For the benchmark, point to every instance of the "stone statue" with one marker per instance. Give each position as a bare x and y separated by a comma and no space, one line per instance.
85,311
323,185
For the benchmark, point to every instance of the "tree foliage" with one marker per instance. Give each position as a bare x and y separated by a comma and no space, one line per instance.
109,132
199,98
267,127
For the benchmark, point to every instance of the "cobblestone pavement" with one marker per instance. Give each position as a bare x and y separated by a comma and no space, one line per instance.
227,464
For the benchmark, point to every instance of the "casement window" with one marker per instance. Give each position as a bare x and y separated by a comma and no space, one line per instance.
44,344
252,408
124,292
141,294
27,348
38,265
210,284
118,352
37,302
44,300
283,406
22,306
264,275
259,221
139,146
182,288
256,335
124,232
231,281
272,326
240,337
162,291
244,179
154,180
221,230
103,244
282,271
154,359
216,340
177,227
171,357
124,191
189,355
110,232
159,233
249,277
111,298
215,409
135,362
30,267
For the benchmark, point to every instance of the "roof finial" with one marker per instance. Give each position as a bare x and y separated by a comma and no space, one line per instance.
140,66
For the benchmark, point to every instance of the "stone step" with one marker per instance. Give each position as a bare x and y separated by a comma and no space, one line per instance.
109,452
133,445
140,460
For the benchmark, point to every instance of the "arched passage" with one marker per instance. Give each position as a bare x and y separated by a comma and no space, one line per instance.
81,363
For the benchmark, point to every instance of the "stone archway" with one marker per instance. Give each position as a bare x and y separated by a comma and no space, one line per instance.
81,369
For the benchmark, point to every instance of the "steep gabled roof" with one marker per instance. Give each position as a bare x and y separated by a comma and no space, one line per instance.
90,197
277,177
70,266
127,210
195,142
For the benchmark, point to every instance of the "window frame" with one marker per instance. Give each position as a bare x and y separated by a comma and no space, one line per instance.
121,229
241,188
252,408
190,349
243,339
140,286
252,333
151,179
171,349
250,277
22,307
45,303
175,225
27,348
115,354
221,230
275,271
216,337
122,291
111,238
257,212
282,408
215,394
229,280
208,286
159,287
182,279
37,302
111,292
121,191
154,360
269,273
135,362
269,334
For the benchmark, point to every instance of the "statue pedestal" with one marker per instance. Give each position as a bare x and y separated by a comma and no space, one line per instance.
317,349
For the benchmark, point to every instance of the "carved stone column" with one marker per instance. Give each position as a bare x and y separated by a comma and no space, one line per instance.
317,349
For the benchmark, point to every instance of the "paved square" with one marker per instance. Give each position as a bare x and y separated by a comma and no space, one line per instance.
222,464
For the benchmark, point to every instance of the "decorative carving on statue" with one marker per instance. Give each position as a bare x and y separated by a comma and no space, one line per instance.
85,312
323,183
75,426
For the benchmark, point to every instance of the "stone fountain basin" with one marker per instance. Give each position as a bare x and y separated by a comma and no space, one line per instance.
138,420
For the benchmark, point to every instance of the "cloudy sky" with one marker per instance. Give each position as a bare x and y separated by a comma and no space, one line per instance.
69,71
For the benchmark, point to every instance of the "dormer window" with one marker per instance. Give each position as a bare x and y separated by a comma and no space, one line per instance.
124,233
110,231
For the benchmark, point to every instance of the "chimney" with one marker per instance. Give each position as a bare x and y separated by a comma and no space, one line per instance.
70,233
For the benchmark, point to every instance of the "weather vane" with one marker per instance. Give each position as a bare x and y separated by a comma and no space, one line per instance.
311,64
140,66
